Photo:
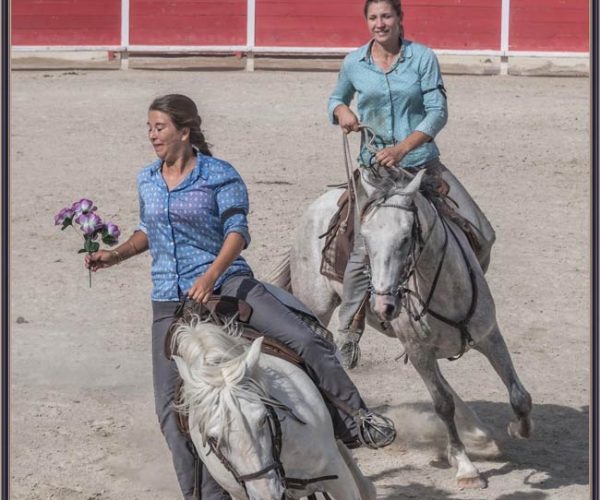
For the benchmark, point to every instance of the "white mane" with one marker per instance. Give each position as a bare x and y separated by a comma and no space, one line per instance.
216,366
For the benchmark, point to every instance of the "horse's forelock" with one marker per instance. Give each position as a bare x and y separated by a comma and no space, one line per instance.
216,374
390,183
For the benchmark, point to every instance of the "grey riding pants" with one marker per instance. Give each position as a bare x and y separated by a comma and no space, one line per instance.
275,320
356,281
166,379
270,316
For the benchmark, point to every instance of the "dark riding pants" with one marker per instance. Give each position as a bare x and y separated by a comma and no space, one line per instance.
166,378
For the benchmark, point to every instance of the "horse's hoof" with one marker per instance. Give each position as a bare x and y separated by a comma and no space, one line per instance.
520,429
471,483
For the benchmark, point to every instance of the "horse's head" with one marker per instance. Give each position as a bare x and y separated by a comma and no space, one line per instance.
388,227
235,416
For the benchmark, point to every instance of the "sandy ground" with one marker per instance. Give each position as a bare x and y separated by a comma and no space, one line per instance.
82,417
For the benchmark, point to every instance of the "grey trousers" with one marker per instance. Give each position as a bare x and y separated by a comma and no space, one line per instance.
356,281
166,378
270,316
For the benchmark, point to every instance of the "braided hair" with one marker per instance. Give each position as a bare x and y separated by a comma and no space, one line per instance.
184,113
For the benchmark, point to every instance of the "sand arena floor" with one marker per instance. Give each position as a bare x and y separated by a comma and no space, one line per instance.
82,416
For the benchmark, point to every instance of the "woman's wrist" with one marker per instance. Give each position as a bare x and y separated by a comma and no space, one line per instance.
116,256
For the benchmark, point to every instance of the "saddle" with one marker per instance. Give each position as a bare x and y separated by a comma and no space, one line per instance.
339,237
221,310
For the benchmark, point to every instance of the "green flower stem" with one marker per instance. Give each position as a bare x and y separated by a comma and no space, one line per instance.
90,272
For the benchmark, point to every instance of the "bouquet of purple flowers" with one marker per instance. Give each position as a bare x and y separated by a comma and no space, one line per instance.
83,212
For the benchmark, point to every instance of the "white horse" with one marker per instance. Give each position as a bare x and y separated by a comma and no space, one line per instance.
427,289
258,422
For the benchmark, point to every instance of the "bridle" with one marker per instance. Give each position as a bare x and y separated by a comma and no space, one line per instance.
276,446
403,291
414,253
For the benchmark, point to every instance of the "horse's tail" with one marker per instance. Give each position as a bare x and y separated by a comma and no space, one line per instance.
281,275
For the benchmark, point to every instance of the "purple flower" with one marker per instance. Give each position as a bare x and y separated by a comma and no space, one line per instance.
113,230
110,233
83,206
63,216
90,223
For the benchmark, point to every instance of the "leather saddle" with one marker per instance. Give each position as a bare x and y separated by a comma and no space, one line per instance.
220,310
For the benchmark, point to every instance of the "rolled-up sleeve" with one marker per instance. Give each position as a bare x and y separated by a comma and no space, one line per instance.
434,96
233,206
342,93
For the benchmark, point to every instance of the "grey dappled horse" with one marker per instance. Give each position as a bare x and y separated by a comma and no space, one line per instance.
427,289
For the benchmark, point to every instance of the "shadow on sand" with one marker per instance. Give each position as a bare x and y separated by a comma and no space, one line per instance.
555,456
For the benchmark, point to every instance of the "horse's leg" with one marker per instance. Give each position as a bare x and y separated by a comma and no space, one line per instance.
472,430
365,485
494,349
345,486
467,475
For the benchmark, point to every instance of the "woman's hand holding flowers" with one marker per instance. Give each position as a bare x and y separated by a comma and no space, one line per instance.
83,212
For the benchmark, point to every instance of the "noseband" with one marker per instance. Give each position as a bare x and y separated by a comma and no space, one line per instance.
276,465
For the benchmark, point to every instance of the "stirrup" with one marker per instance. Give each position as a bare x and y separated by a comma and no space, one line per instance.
375,431
350,350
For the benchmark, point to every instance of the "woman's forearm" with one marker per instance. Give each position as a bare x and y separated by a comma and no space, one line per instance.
136,244
413,141
232,248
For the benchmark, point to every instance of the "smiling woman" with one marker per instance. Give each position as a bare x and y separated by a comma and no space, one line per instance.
402,100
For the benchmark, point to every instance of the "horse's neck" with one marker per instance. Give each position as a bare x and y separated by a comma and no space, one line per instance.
436,240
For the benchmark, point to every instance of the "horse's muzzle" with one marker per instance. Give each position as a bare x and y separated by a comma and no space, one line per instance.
386,307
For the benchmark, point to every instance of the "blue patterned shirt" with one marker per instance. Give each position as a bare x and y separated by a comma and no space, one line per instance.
186,227
410,96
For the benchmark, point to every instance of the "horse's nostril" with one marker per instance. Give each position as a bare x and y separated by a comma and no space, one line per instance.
389,309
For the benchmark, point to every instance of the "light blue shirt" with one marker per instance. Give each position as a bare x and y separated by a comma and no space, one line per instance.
186,227
409,96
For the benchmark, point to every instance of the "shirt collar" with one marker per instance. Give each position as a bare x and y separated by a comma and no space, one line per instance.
196,172
364,52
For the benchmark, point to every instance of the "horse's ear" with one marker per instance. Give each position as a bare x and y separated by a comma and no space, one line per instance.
254,353
413,186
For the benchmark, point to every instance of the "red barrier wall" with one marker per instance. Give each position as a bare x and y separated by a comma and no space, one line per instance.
187,22
66,22
454,24
310,23
443,24
549,25
535,25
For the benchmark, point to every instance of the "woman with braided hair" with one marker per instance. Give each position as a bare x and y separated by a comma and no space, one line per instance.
193,210
402,99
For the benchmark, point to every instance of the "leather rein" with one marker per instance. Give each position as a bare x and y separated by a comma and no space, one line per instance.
276,465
